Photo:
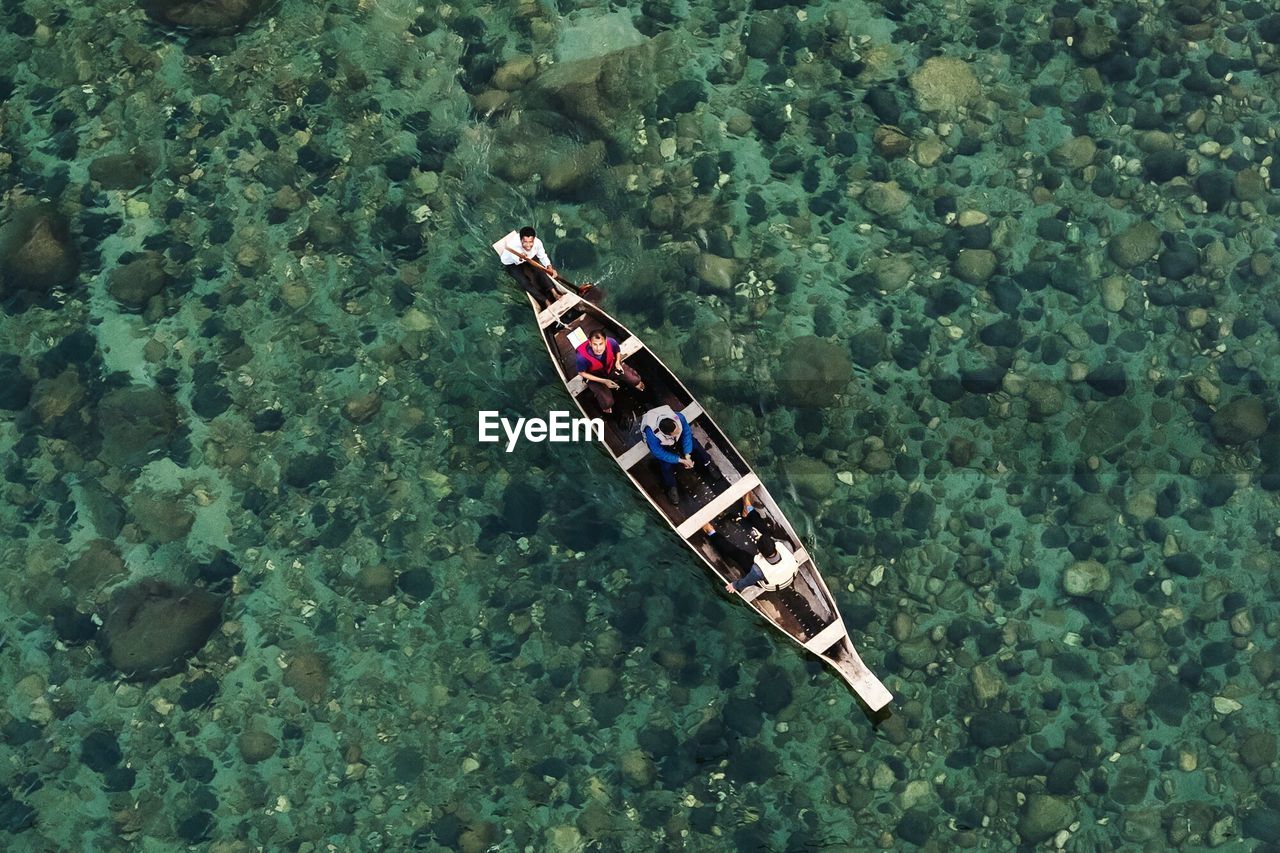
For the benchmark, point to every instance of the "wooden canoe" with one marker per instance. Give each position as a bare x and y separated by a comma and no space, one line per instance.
805,611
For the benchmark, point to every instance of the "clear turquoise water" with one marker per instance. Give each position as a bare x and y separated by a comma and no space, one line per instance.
266,590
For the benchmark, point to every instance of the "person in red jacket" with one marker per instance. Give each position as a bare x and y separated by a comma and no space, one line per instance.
600,363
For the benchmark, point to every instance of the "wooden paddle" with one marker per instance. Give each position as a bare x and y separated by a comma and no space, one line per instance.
587,291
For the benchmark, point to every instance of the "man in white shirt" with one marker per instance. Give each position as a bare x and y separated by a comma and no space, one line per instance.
515,250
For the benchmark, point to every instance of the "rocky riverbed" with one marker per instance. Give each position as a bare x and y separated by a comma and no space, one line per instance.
986,292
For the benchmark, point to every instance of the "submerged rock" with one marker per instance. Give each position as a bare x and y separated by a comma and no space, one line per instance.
308,676
98,565
1043,817
361,408
15,386
1257,749
135,424
890,141
1249,185
515,73
1240,421
1075,153
638,768
1134,245
1084,577
133,284
1044,399
1110,425
574,170
765,35
1089,510
812,478
993,728
605,91
813,372
256,745
205,16
1170,701
121,171
326,229
944,84
152,627
869,346
892,272
36,251
53,398
522,507
886,199
1262,823
162,517
375,582
417,583
975,265
716,272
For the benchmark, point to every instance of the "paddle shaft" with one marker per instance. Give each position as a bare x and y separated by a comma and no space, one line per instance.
554,275
588,291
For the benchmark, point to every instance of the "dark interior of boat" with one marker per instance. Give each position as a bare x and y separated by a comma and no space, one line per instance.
790,607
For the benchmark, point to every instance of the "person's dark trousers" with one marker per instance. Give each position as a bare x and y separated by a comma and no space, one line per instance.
668,469
731,551
766,526
740,557
535,282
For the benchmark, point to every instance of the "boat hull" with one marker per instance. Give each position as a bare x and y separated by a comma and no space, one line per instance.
805,612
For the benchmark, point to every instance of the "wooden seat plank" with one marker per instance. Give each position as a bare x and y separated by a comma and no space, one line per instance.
552,314
634,454
640,450
718,504
692,412
827,637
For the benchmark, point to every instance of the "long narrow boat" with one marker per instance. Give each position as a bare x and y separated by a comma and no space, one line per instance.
804,610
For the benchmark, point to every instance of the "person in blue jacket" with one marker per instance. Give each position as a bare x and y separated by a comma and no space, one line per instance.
671,443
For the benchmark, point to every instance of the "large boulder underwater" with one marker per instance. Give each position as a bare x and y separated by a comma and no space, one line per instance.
37,253
152,627
213,17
